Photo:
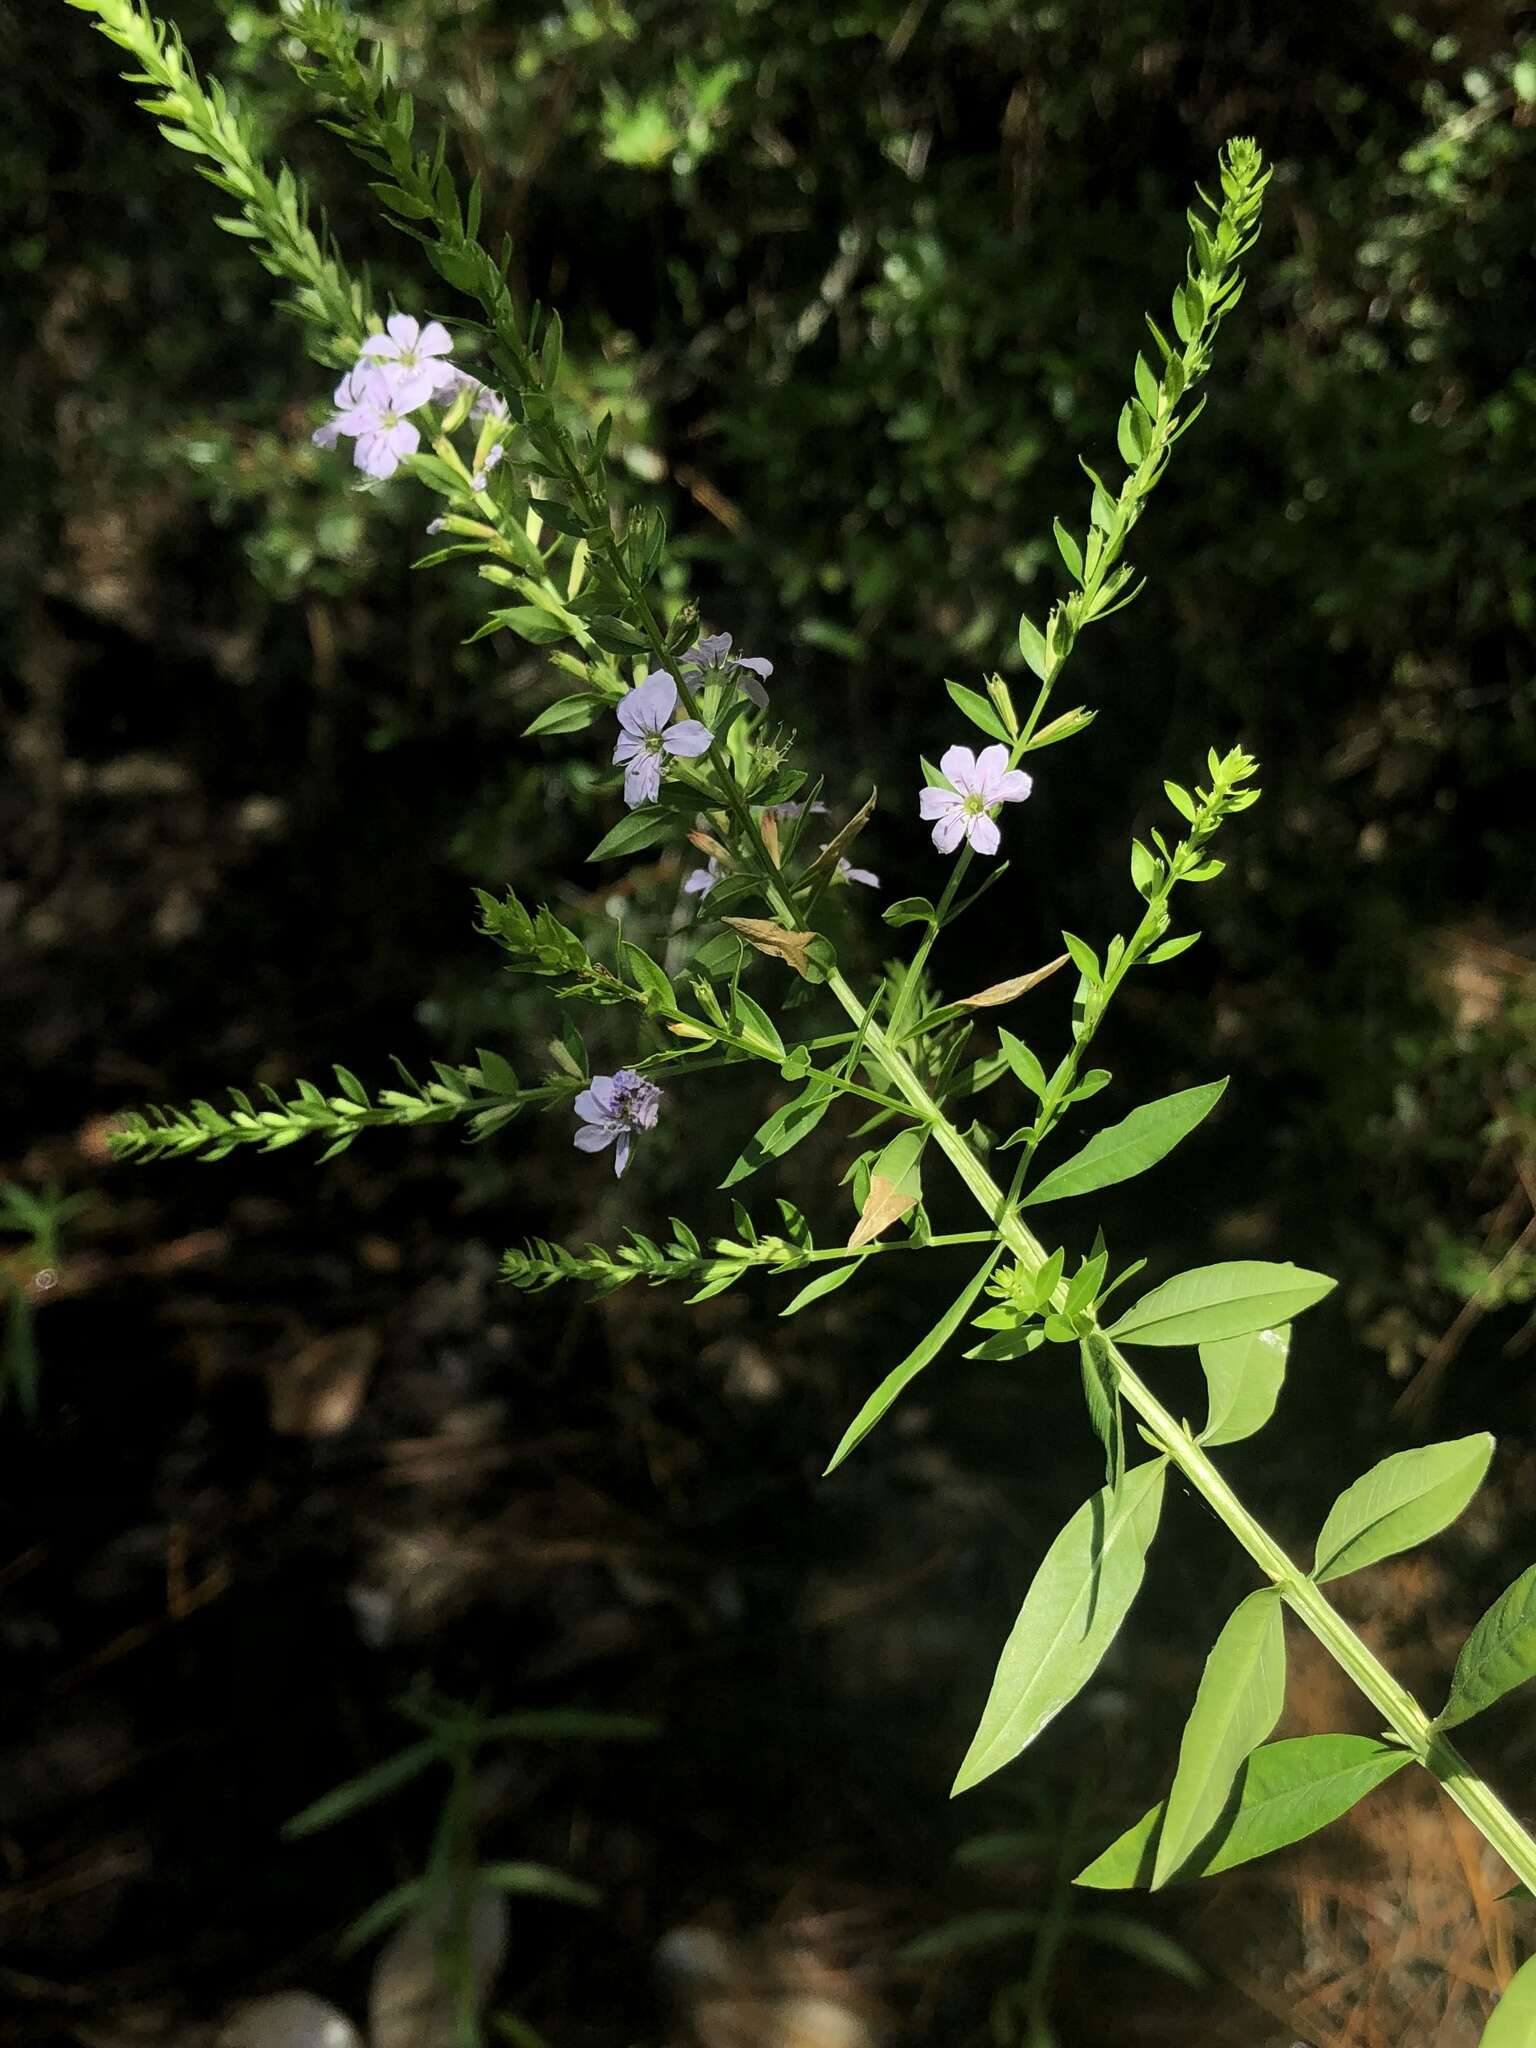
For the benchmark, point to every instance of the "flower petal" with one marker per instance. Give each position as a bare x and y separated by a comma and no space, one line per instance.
593,1138
689,739
403,439
991,767
374,456
434,340
627,746
621,1153
958,765
378,345
406,389
936,803
642,779
404,331
649,704
950,830
1014,787
983,834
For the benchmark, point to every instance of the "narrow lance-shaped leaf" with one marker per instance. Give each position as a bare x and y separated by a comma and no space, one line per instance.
1129,1147
1243,1378
921,1354
1242,1690
1513,2023
1209,1303
783,1130
1285,1791
362,1791
1404,1500
1071,1614
1499,1654
826,1282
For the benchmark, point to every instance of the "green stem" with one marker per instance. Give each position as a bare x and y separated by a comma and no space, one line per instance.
1402,1713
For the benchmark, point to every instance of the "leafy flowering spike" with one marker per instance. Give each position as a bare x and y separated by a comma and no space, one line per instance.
612,1110
712,656
645,737
978,785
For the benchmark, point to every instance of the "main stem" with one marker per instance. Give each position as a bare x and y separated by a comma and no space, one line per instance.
1402,1713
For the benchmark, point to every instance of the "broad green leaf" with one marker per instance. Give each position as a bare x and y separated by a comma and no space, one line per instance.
909,910
567,714
1499,1654
1023,1063
1209,1303
783,1130
362,1791
1129,1147
978,710
1071,1614
635,831
1285,1791
824,1283
920,1355
1404,1500
1513,2024
1241,1692
1243,1378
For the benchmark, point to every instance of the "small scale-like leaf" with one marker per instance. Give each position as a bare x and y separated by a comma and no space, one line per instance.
1071,1614
1499,1654
896,1381
1242,1690
1513,2022
1243,1378
1209,1303
1285,1791
1404,1500
1129,1147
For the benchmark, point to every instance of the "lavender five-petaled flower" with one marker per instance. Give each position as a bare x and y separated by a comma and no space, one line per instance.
646,737
979,784
411,358
371,413
847,872
703,879
613,1109
749,672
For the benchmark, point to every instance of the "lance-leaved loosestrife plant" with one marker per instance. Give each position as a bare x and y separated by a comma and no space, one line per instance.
525,495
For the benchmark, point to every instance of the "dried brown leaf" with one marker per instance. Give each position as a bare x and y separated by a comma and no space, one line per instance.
837,846
775,940
1009,991
884,1205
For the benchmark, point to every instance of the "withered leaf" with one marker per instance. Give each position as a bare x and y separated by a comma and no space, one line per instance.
707,845
885,1204
775,940
1009,991
837,846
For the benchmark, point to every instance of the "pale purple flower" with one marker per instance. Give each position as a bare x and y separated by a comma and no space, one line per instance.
703,879
411,358
979,783
645,737
371,414
612,1110
482,477
712,656
488,404
847,872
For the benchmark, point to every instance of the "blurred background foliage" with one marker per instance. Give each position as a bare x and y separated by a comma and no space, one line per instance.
859,281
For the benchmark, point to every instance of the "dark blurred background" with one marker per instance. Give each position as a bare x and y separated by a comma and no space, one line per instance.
859,281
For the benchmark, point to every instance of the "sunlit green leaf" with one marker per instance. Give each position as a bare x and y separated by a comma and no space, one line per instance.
1129,1147
1242,1690
1243,1378
825,1283
1513,2024
1285,1791
1209,1303
1404,1500
1071,1614
1499,1654
783,1130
